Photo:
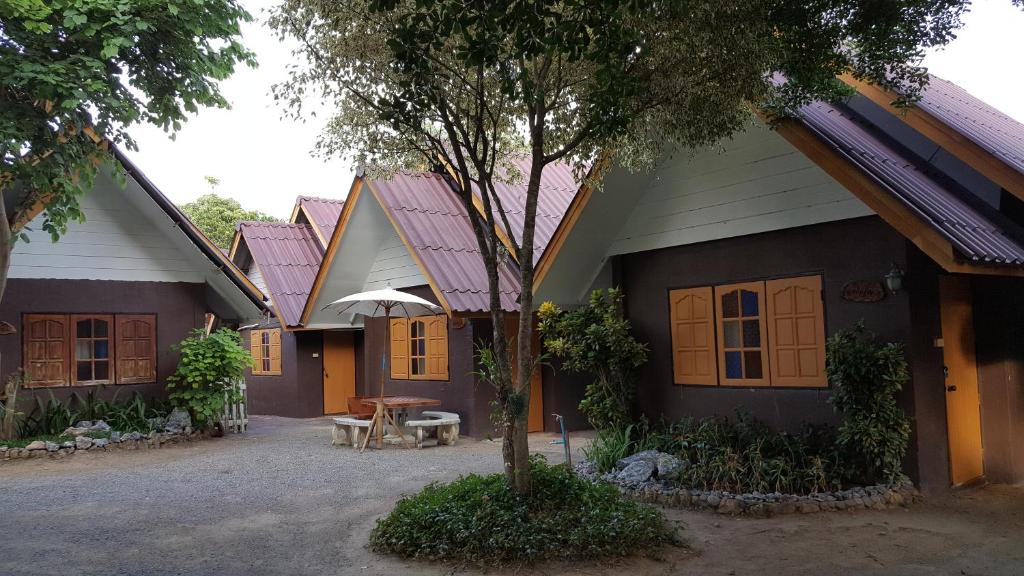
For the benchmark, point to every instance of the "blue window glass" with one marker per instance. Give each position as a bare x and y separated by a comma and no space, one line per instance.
749,303
100,349
733,365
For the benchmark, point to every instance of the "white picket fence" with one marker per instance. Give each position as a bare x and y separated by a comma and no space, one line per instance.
235,417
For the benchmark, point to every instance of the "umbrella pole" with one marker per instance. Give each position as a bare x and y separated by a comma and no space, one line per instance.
386,361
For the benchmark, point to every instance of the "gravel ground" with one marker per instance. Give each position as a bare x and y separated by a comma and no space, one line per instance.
280,500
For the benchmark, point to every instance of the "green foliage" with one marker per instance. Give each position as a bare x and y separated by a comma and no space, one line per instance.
480,520
206,375
50,417
10,416
66,65
507,403
217,217
596,338
866,376
739,455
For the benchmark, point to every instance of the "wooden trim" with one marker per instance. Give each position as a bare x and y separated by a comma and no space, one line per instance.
316,227
724,380
705,293
871,193
111,358
936,130
332,247
398,349
568,222
293,219
27,320
274,352
236,241
794,346
412,251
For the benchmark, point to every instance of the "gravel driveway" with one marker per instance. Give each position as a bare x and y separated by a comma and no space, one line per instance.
280,500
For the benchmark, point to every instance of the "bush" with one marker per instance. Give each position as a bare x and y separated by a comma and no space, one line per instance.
597,339
614,444
206,375
51,417
866,376
479,520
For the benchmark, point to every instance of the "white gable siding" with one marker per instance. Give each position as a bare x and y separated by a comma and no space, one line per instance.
758,183
394,264
256,277
116,242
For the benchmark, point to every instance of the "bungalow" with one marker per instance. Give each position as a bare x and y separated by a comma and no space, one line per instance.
736,265
410,232
104,305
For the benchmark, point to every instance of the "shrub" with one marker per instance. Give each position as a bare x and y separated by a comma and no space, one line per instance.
866,376
205,378
479,520
51,417
596,338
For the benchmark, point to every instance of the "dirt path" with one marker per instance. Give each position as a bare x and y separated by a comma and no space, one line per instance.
279,500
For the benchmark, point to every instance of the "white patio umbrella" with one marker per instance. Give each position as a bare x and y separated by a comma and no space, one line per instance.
387,303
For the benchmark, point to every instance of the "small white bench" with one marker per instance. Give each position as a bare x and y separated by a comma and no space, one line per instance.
446,424
349,430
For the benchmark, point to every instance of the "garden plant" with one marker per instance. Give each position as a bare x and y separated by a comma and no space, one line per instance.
205,379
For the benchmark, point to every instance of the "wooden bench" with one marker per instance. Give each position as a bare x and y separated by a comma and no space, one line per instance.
349,430
446,424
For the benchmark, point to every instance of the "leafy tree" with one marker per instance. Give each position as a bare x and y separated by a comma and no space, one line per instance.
77,74
597,339
474,84
217,217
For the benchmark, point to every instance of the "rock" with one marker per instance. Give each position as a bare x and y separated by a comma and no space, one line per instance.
650,456
52,446
99,426
713,500
729,506
76,431
808,507
68,444
115,436
669,467
84,424
36,445
636,472
100,442
177,421
133,436
156,423
83,443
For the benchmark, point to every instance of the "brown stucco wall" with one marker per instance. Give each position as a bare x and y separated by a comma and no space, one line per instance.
298,391
999,329
861,249
179,307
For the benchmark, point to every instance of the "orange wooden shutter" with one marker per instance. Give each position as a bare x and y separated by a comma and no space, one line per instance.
742,341
399,349
135,348
275,352
437,347
693,336
796,331
256,350
46,349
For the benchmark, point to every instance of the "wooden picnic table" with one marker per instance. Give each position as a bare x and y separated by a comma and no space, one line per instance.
384,413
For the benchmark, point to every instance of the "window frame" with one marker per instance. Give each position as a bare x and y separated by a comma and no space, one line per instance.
401,358
263,340
720,324
767,347
70,347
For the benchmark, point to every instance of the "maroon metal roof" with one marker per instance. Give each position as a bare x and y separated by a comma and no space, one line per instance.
558,187
323,212
288,256
435,223
972,232
987,127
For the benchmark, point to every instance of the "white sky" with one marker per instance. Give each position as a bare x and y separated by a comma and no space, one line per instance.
264,161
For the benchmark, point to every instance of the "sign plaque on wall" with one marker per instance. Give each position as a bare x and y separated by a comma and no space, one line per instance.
863,291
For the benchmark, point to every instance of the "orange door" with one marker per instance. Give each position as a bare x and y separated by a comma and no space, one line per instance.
339,371
535,414
963,406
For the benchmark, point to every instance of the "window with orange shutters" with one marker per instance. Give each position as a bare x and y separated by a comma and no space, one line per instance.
694,359
742,360
265,348
796,331
419,348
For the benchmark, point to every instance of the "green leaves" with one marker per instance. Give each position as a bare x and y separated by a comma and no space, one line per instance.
217,217
866,376
207,372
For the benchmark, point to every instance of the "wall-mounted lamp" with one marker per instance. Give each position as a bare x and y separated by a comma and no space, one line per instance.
894,279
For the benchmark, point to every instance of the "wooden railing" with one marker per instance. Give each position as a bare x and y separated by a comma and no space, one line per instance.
236,417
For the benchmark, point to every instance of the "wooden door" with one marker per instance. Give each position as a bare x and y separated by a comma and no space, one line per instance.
535,413
339,371
963,407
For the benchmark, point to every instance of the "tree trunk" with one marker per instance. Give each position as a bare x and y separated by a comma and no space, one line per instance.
6,246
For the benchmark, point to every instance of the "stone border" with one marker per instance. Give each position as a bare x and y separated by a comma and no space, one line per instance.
131,441
882,497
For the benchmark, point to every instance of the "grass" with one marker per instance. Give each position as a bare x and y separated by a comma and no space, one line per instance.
478,520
